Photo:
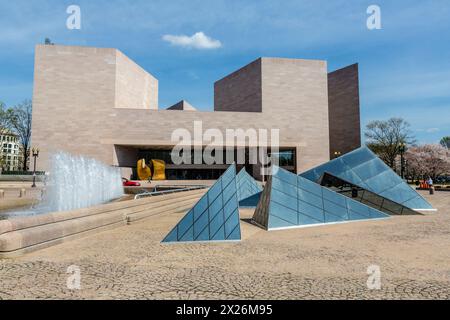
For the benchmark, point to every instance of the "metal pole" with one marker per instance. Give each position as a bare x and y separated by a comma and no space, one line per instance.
34,172
401,163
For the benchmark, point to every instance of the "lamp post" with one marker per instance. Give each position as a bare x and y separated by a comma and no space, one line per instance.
402,149
35,154
337,154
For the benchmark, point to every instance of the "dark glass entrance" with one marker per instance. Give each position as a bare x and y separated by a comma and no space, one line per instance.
205,171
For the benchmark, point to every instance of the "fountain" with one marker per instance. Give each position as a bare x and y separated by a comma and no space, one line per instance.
78,182
74,182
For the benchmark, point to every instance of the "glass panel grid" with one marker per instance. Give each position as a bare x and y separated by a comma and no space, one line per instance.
214,217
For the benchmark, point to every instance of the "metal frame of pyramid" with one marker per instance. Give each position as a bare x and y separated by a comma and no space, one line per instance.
291,201
215,217
364,169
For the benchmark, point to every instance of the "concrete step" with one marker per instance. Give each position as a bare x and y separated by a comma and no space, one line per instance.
171,207
160,206
163,200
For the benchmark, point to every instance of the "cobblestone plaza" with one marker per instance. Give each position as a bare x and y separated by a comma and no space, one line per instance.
328,262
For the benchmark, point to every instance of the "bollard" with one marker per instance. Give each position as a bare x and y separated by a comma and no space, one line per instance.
23,192
431,190
2,193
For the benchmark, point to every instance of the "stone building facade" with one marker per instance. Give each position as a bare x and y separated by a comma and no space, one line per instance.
98,103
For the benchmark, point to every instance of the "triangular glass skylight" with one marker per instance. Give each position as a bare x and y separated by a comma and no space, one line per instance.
363,168
215,217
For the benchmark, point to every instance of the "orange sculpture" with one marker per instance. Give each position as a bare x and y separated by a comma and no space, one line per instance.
159,169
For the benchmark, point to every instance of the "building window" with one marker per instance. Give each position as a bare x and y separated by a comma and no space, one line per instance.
286,158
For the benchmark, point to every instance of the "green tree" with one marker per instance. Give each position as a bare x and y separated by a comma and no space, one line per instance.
387,138
445,142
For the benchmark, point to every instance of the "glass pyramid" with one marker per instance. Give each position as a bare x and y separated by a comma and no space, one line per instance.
291,201
215,217
248,189
364,169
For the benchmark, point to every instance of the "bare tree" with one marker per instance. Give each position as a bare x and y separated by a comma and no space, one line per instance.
387,137
19,118
429,160
445,142
3,117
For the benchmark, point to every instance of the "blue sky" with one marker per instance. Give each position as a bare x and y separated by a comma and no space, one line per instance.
404,67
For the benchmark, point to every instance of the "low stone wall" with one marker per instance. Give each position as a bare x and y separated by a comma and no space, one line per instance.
25,234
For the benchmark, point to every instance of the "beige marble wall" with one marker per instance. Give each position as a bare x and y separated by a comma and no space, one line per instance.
73,94
294,94
135,87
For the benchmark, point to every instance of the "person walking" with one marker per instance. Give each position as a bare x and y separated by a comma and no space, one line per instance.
430,185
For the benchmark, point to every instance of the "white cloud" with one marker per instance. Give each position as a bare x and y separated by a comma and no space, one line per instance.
199,40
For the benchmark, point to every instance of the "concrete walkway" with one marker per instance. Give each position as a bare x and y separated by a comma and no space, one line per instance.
328,262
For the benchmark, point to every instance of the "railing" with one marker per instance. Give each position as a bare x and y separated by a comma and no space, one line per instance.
22,173
176,188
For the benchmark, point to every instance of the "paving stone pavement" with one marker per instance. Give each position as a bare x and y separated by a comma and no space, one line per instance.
327,262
